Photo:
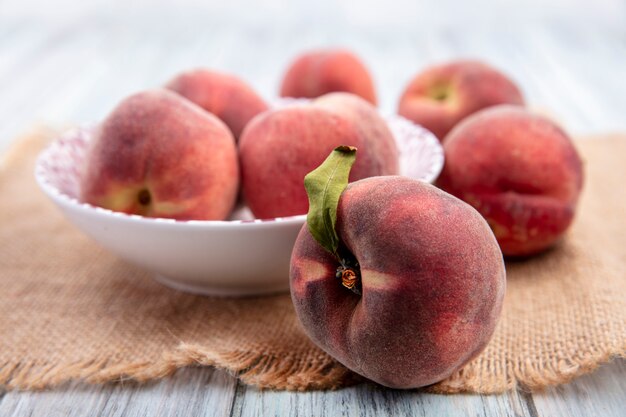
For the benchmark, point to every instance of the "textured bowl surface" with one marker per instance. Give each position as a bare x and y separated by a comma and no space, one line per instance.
237,257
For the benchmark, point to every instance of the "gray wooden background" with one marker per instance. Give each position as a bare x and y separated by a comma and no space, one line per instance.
66,62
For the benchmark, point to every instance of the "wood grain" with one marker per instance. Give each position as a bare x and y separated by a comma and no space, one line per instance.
371,400
190,392
209,392
600,394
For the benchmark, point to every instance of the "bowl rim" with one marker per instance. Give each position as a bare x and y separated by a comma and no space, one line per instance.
62,198
66,200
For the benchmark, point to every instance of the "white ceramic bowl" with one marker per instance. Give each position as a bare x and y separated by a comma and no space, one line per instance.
237,257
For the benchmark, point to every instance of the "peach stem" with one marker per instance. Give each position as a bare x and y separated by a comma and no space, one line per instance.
350,276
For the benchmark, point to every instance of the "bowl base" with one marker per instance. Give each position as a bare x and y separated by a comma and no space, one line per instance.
221,291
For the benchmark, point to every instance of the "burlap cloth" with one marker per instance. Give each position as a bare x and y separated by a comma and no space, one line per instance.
69,309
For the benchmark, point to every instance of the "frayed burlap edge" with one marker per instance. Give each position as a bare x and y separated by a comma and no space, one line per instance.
286,373
527,377
252,369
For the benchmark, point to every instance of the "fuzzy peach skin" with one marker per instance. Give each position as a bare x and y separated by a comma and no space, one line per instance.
319,72
159,155
280,147
520,171
441,96
368,121
224,95
433,282
370,125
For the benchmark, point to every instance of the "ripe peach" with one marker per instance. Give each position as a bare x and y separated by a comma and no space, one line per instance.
440,96
159,155
318,72
382,152
224,95
520,171
279,147
432,283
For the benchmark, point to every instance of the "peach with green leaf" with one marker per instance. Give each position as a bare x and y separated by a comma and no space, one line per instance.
397,280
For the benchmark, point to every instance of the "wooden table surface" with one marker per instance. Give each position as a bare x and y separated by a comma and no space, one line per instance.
66,62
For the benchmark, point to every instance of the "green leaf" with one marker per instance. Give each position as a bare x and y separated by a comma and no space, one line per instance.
324,186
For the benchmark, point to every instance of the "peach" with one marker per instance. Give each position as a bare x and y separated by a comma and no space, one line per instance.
224,95
432,282
520,171
440,96
370,125
279,147
318,72
159,155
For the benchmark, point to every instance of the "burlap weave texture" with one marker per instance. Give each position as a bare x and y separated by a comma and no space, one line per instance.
69,309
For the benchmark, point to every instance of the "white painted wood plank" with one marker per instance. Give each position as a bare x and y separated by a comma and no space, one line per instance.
125,61
568,88
208,392
602,393
371,400
190,392
30,90
18,49
593,79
